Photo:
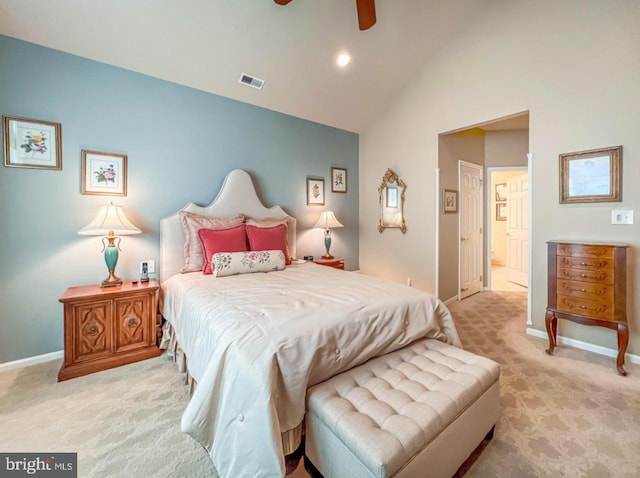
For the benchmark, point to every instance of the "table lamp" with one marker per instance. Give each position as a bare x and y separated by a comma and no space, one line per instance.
327,221
110,222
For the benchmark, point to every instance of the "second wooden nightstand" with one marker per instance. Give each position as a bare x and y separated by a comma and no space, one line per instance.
336,262
106,327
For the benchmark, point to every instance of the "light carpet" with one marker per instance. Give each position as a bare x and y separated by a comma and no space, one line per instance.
567,415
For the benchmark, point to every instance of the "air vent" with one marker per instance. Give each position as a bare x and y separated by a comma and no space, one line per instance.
251,81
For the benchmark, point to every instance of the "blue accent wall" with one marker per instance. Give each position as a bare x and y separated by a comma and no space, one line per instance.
180,144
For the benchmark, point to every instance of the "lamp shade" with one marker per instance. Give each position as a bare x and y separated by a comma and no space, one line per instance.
110,218
327,221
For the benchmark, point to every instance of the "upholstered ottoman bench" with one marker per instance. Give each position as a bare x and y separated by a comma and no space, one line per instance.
416,412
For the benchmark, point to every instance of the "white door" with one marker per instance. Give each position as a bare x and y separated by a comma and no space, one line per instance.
470,227
518,229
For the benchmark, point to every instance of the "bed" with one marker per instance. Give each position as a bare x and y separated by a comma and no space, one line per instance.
255,342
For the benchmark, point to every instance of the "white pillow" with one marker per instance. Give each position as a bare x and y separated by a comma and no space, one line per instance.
231,263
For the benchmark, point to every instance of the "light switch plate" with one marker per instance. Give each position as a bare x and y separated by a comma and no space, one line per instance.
622,216
151,267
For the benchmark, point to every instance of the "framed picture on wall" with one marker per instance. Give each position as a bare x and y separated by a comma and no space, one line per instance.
104,174
501,192
338,180
30,143
591,176
501,211
449,201
315,192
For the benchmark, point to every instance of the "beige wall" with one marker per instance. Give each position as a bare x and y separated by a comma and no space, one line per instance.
574,65
506,148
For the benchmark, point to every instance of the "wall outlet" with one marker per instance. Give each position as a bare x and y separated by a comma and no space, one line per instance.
409,281
151,267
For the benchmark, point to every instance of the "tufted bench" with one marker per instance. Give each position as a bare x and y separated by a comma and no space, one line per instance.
416,412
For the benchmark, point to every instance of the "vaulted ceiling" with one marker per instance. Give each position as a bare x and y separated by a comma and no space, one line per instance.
208,44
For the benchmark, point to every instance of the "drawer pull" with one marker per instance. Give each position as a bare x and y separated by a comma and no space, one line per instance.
583,263
583,275
93,330
571,289
132,323
583,306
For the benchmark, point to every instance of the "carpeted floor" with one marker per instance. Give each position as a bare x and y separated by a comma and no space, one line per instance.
123,422
567,415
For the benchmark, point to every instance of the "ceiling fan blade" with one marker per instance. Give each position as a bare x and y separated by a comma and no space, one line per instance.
282,2
366,13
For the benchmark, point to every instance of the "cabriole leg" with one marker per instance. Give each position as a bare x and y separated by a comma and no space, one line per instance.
623,341
551,323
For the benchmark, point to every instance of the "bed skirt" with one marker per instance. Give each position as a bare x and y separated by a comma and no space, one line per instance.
291,439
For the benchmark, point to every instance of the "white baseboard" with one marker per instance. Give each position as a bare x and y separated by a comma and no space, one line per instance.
597,349
25,362
451,300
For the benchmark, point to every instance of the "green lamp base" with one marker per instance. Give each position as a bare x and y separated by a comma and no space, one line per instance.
327,243
111,259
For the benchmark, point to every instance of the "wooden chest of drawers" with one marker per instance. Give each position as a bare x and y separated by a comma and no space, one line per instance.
105,327
587,284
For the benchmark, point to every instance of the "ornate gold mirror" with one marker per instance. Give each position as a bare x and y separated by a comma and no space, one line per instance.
391,195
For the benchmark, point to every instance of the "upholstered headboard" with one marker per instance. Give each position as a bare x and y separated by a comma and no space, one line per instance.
237,196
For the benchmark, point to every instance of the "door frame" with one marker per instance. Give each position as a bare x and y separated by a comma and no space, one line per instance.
529,169
489,224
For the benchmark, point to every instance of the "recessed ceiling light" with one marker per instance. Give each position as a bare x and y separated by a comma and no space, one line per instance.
343,59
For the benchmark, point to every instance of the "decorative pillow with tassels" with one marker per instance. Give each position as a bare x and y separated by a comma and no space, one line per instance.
232,263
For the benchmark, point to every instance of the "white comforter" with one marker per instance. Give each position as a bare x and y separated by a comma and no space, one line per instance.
255,342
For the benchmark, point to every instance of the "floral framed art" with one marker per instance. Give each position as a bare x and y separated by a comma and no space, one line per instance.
315,192
30,143
104,174
338,180
591,176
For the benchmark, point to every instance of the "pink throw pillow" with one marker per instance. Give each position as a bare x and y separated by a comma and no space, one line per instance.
213,241
271,222
269,238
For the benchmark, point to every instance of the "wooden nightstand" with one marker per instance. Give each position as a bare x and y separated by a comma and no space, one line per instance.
106,327
336,262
